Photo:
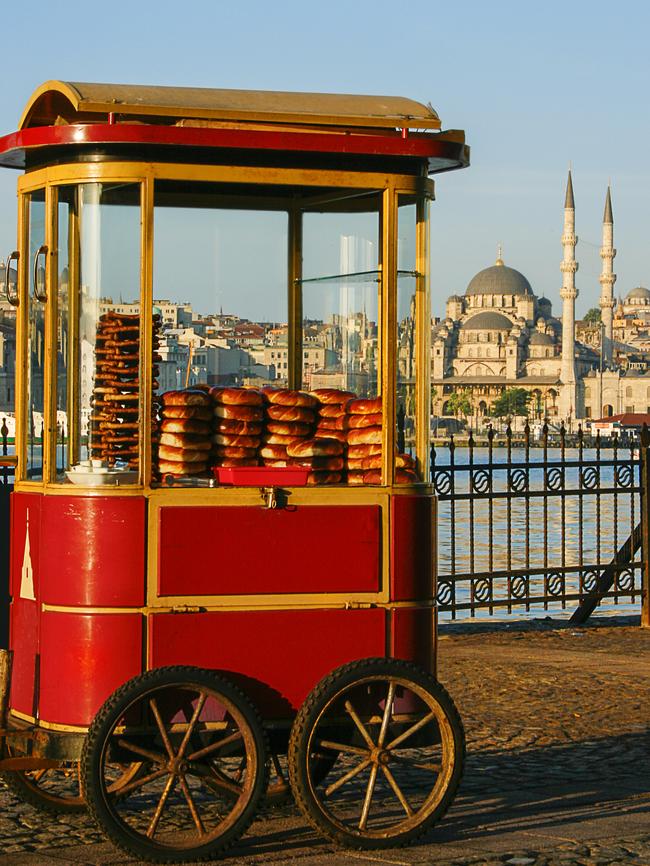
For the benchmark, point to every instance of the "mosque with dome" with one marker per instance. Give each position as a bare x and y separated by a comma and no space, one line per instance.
500,335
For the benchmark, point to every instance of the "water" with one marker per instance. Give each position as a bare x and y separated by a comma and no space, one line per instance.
565,531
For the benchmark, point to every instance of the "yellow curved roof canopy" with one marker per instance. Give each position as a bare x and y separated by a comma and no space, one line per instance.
57,102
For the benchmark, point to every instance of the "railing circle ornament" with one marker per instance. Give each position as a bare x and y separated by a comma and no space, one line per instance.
625,581
445,593
555,584
623,476
442,482
589,581
482,589
519,587
518,480
481,481
589,477
555,479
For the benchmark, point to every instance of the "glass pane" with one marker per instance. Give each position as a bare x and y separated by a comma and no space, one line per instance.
35,337
63,344
7,364
405,404
103,383
340,333
220,289
340,299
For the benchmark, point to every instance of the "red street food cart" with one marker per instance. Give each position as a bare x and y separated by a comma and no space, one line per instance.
222,536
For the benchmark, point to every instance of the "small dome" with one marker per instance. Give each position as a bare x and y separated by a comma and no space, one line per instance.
489,321
639,292
539,339
499,280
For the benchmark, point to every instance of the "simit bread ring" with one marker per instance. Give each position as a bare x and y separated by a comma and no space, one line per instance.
315,448
364,406
290,413
332,395
286,397
237,396
239,413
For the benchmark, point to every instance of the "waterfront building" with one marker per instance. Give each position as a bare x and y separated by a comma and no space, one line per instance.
501,335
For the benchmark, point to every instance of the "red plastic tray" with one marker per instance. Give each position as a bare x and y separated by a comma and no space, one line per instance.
262,476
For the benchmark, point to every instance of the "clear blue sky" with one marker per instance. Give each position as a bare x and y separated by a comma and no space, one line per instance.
535,86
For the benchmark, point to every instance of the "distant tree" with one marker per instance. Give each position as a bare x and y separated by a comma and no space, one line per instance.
459,404
592,316
513,401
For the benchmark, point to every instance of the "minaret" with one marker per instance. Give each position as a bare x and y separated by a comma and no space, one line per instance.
568,293
607,279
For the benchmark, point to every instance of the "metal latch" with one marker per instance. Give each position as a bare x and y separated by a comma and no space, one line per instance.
187,608
359,605
274,497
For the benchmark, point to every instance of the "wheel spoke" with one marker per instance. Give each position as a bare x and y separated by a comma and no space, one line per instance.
195,716
192,806
357,721
346,778
412,730
161,727
342,747
366,803
215,779
387,712
416,764
140,783
397,791
151,829
156,757
201,753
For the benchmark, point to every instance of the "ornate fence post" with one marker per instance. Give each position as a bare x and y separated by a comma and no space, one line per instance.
645,525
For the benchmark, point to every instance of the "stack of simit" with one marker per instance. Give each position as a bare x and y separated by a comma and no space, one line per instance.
237,426
290,417
364,453
116,395
185,432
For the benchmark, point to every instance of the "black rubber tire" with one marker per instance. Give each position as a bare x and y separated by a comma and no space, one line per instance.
57,801
449,739
106,809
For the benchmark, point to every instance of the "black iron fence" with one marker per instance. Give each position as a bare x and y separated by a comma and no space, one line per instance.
543,523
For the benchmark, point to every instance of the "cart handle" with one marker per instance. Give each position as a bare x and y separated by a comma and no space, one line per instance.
15,300
41,251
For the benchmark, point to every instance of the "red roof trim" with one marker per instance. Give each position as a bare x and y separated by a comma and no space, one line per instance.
14,146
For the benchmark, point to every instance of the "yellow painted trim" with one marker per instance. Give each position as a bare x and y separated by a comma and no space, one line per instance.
48,446
22,716
423,340
137,171
63,729
146,340
21,345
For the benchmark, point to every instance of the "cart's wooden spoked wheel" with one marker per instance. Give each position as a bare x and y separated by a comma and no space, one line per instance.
204,749
400,748
57,790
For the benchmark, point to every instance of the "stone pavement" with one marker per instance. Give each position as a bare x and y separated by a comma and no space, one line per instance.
558,766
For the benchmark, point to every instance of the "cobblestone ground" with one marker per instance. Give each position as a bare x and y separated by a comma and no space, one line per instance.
557,720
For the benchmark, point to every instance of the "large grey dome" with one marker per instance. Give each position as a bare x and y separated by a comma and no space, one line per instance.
639,292
488,321
499,280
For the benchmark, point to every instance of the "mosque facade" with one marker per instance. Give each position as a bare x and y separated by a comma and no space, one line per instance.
500,335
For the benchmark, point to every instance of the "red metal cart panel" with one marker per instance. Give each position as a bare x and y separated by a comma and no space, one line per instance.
100,544
25,604
243,550
85,657
412,573
279,655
